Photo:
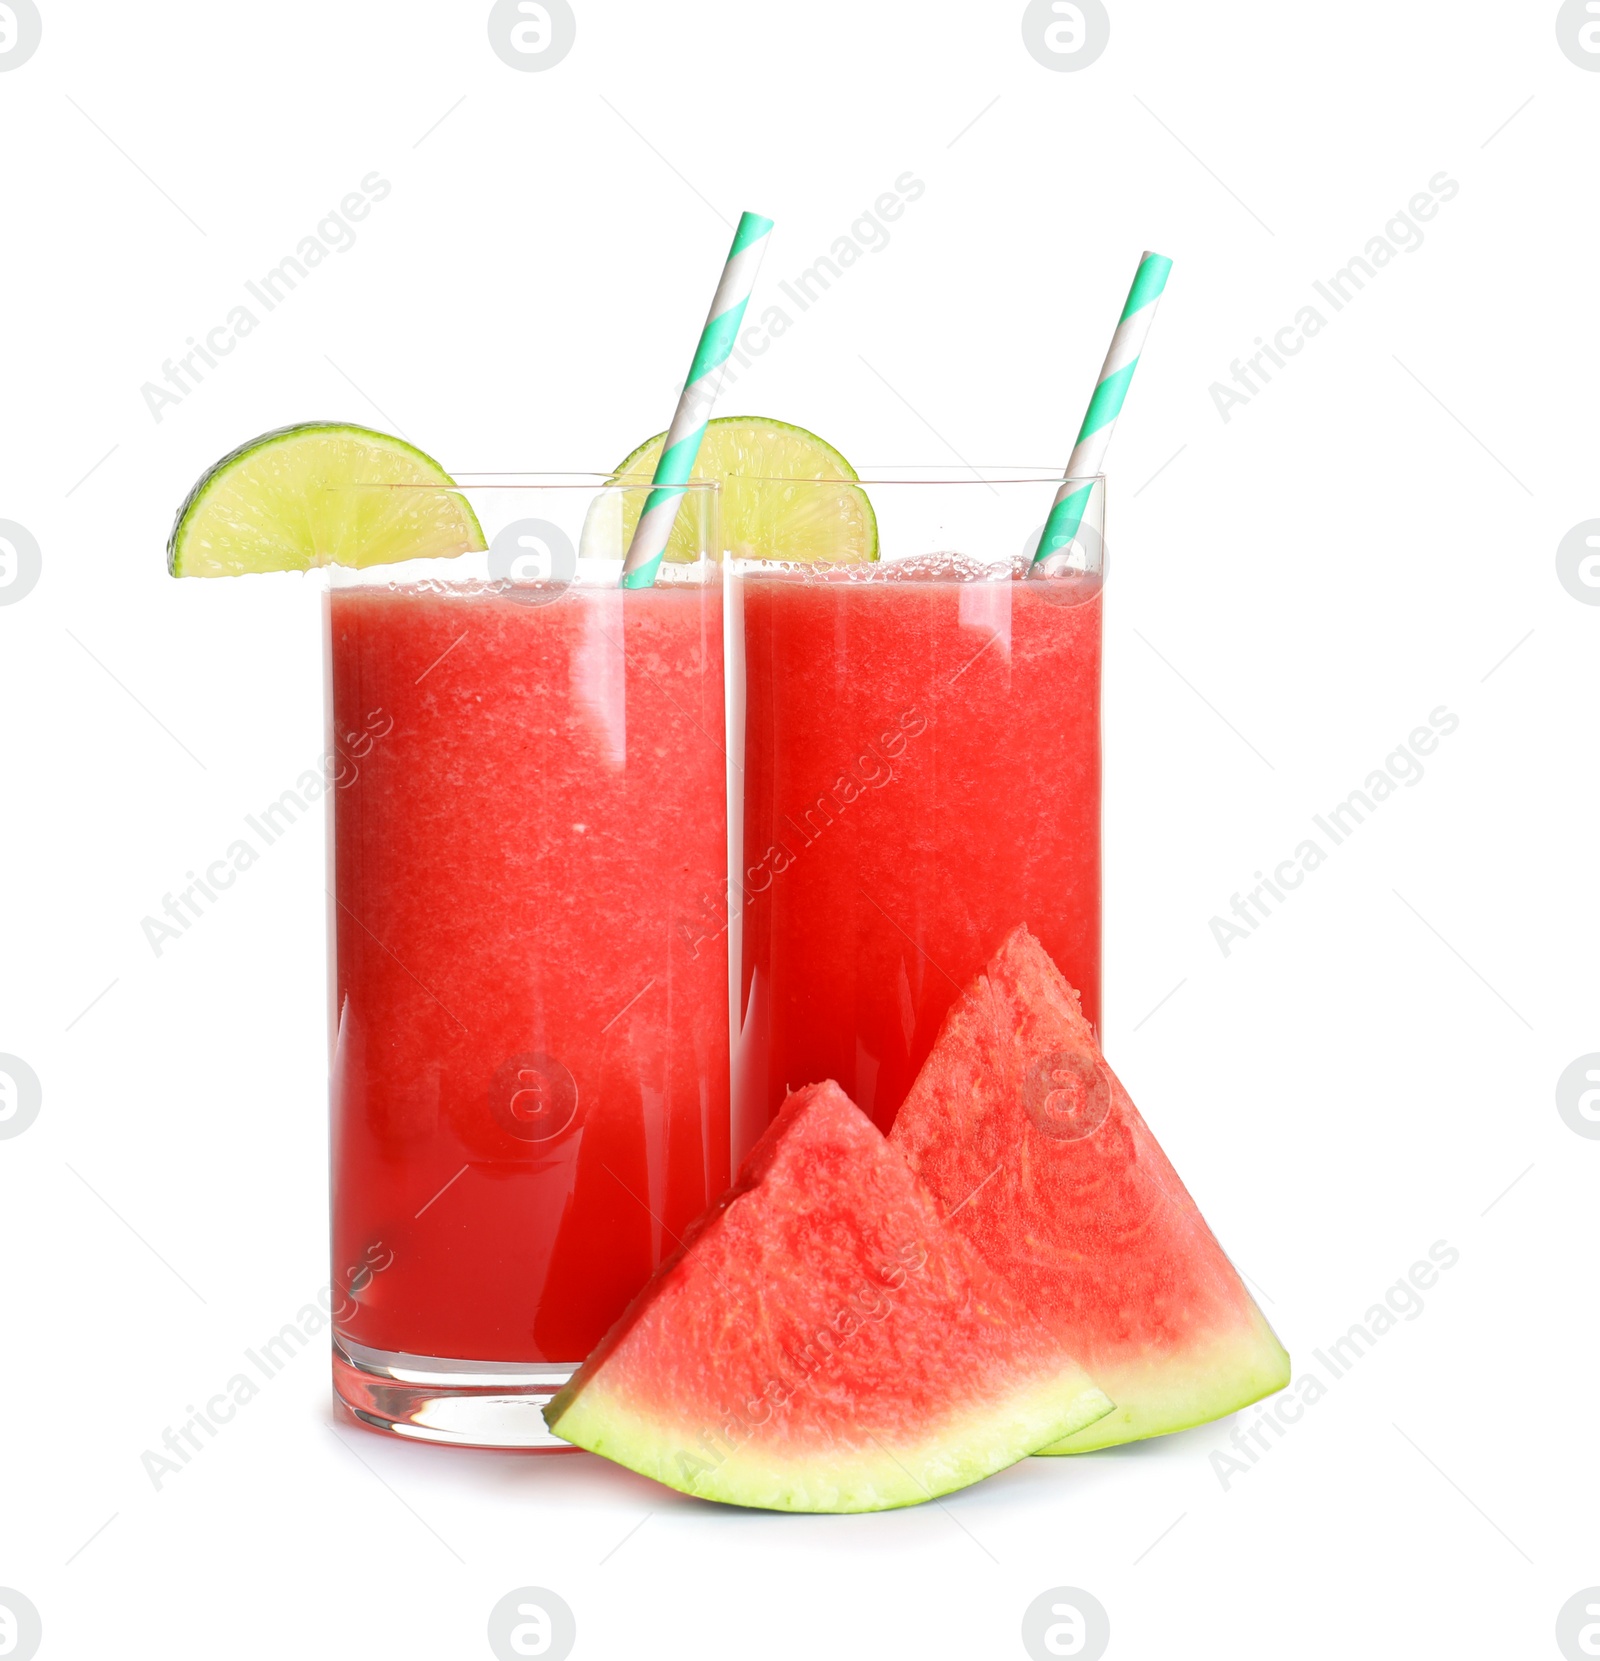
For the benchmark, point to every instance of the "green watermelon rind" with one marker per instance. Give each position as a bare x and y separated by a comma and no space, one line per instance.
1218,1367
812,1202
993,1435
1212,1382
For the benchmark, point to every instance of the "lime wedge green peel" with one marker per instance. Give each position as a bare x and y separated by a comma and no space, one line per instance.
321,493
823,515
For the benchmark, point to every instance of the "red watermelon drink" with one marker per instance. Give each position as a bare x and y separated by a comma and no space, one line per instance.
530,1079
921,774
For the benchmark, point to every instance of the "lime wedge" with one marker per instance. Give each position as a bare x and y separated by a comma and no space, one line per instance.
322,493
763,515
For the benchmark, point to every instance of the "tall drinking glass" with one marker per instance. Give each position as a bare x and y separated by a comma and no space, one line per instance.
917,747
528,952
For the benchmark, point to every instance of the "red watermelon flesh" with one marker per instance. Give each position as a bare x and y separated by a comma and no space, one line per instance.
822,1341
1074,1203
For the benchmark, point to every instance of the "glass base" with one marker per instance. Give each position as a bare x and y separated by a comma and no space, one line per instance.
464,1404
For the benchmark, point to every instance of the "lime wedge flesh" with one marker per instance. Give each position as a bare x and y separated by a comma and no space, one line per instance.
321,493
764,515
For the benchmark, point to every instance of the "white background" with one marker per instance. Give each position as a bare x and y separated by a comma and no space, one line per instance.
1293,590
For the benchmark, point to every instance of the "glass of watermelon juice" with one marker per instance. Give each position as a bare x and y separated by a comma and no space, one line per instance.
917,748
529,952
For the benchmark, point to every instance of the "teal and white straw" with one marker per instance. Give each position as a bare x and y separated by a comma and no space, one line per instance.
1089,453
688,427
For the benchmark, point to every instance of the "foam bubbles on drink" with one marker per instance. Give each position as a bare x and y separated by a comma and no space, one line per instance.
1070,587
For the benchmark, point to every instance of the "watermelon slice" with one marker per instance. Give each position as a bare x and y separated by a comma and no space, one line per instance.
1070,1198
823,1341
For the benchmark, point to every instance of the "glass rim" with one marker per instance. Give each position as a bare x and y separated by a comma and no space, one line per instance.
940,474
591,482
934,475
908,571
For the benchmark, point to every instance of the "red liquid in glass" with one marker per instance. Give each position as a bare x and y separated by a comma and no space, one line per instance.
922,773
530,1080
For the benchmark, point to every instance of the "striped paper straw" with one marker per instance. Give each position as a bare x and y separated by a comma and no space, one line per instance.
1089,453
694,407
